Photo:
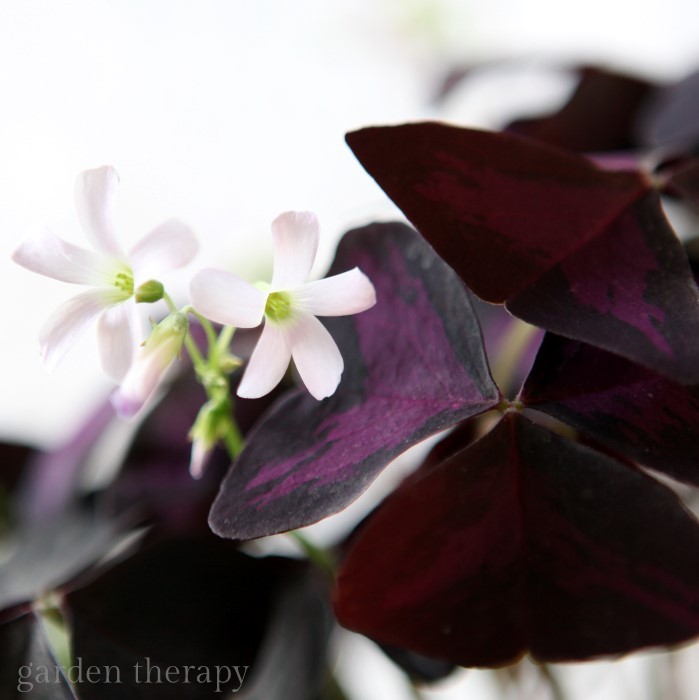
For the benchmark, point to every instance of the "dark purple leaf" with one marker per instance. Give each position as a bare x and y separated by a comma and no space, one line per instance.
525,542
180,603
672,118
414,365
600,115
28,668
624,406
629,291
42,556
500,209
581,251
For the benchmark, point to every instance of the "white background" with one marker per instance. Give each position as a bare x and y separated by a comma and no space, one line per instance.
225,113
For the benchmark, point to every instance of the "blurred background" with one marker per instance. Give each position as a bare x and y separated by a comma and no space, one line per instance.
224,113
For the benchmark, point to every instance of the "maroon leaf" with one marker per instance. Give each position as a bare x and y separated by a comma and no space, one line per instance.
672,118
624,406
600,115
525,542
414,364
629,291
198,604
581,251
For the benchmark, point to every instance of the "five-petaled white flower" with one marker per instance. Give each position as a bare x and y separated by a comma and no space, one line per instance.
289,307
113,274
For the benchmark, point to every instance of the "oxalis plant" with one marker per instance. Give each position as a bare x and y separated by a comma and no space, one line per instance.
541,523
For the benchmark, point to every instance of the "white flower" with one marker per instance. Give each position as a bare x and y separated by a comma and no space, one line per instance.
112,274
289,307
151,363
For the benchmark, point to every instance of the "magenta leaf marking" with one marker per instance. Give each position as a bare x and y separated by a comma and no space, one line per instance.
414,364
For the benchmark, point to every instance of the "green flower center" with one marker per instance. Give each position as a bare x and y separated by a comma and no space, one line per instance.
278,306
124,282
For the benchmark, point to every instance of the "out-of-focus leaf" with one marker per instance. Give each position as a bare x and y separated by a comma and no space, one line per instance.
414,365
671,119
583,252
292,662
525,542
42,556
601,114
27,666
187,602
624,406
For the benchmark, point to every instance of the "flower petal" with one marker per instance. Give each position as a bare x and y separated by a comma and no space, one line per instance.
296,236
316,355
348,293
224,298
46,254
267,365
95,192
69,321
166,247
117,339
145,374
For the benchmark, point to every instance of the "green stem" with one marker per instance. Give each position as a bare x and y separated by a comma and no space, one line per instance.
224,339
233,439
322,558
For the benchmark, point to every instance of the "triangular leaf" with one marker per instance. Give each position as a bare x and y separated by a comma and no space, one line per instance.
525,541
414,365
539,228
624,406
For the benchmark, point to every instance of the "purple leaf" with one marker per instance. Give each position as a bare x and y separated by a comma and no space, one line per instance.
414,365
600,115
525,542
583,252
624,406
193,602
629,291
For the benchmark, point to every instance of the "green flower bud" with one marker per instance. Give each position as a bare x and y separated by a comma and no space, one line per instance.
150,292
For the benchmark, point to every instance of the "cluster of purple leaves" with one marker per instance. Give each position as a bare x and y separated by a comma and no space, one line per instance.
533,526
546,535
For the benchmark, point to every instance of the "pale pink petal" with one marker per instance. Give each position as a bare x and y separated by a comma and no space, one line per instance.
224,298
296,236
199,457
69,321
166,247
141,381
117,339
341,295
46,254
95,193
268,363
316,356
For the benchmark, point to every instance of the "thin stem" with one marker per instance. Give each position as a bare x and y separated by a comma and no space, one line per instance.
224,339
233,439
320,557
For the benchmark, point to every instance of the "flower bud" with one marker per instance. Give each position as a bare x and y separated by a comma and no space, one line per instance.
149,292
150,365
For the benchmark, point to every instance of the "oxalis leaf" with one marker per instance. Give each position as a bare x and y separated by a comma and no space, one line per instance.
628,408
583,252
414,365
525,542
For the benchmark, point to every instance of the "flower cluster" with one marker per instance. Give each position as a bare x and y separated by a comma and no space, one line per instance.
119,280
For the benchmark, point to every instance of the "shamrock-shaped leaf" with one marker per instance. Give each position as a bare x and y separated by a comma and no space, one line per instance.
414,365
583,252
525,542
